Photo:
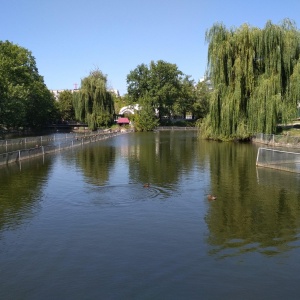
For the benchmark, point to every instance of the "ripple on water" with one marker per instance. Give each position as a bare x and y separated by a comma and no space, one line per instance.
119,195
236,247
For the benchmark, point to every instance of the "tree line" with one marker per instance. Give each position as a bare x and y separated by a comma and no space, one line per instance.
254,76
161,89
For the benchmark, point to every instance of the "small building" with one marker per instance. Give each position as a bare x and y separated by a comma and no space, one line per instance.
123,121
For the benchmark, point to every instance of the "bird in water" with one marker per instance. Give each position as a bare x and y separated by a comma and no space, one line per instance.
146,185
211,197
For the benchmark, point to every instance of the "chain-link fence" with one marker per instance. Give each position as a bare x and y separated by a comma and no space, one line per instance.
58,145
175,128
40,140
278,159
277,140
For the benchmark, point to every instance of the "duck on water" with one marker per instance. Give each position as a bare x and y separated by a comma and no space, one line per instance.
211,197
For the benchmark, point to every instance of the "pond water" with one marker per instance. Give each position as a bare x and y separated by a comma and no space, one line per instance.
81,225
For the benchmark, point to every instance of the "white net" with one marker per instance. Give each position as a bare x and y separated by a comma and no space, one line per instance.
278,159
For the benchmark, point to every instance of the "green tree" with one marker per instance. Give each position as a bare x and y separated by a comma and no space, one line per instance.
65,105
138,82
186,98
165,86
201,105
40,106
93,103
254,73
145,119
160,82
24,98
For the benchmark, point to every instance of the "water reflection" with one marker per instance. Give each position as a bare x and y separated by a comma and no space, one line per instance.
96,162
95,232
21,189
250,215
162,157
257,210
159,159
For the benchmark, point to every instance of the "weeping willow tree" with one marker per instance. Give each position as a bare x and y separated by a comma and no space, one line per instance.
93,103
255,74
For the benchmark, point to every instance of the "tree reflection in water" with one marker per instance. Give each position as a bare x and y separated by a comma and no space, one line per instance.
21,186
256,210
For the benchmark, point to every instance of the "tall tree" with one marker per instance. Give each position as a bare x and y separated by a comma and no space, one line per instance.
160,82
138,82
93,103
254,73
201,105
165,86
65,105
24,98
186,98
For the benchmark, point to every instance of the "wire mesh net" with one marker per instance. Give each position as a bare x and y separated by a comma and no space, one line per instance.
277,140
278,159
56,145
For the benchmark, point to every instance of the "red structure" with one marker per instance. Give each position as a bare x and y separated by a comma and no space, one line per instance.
123,121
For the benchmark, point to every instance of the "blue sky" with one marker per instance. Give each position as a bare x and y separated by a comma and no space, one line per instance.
70,38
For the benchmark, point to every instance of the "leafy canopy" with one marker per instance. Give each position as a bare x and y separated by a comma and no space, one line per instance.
65,105
145,119
24,98
163,86
255,74
93,103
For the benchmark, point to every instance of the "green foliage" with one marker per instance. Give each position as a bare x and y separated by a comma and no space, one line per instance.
41,105
145,119
24,98
165,86
200,107
138,82
118,103
254,73
93,103
185,101
160,82
122,101
65,105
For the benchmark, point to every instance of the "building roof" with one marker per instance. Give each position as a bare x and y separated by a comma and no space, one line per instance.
123,121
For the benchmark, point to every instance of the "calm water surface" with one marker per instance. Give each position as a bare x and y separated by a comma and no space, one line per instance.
80,224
